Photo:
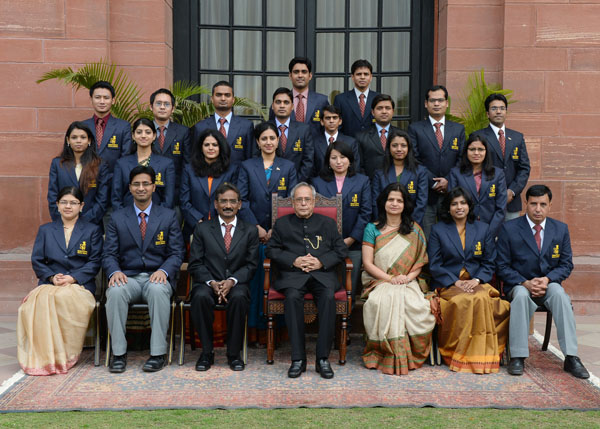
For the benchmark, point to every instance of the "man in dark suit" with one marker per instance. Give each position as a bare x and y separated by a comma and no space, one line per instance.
295,138
238,131
534,258
354,104
143,251
113,135
331,122
223,259
438,144
508,152
373,141
306,248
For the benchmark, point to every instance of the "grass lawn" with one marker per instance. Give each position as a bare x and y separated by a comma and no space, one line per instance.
310,418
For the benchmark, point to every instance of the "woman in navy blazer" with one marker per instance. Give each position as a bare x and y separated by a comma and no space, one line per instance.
486,183
461,253
144,153
54,316
401,166
79,165
339,176
209,167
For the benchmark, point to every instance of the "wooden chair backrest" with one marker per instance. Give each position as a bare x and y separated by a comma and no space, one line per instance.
330,207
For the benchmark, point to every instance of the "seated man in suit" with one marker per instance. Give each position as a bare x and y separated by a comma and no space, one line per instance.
354,103
306,248
143,251
223,259
534,258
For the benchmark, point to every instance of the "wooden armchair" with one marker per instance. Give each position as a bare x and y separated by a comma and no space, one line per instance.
273,300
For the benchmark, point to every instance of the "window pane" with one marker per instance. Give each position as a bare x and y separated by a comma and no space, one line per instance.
280,49
396,13
363,46
403,125
331,13
330,52
330,86
247,48
281,13
398,88
208,80
274,82
247,87
363,13
214,49
399,45
247,12
214,12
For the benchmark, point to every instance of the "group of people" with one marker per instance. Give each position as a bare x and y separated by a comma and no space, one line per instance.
430,221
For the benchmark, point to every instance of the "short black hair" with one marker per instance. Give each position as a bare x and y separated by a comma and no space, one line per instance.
332,109
360,64
261,127
226,186
162,91
102,84
382,97
300,60
222,83
436,88
283,90
493,97
142,169
538,191
458,191
346,150
70,190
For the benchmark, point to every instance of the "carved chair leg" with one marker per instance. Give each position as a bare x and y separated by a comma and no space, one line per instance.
548,330
270,339
343,340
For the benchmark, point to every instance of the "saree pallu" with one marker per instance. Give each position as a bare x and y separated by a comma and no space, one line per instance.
474,329
397,318
51,328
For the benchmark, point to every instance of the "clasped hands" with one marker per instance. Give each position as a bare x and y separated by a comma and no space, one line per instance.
466,285
62,279
537,286
400,279
308,263
222,288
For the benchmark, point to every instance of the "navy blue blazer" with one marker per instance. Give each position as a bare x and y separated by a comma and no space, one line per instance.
514,163
165,181
240,136
352,121
116,140
162,247
447,257
177,147
196,201
314,110
519,258
371,151
427,151
490,202
256,193
299,149
96,200
356,204
415,182
321,145
81,260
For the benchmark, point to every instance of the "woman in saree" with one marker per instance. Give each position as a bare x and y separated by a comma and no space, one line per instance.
54,317
397,315
462,252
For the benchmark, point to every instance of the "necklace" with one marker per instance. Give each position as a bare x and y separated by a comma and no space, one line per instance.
392,226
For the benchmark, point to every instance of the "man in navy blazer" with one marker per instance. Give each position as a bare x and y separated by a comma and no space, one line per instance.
513,159
534,258
355,103
238,131
438,143
115,133
143,251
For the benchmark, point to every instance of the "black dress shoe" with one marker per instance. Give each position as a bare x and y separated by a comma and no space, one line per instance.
323,367
236,364
205,361
118,364
575,367
516,365
297,368
155,363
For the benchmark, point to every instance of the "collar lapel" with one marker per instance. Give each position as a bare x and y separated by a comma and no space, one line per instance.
354,106
431,135
492,140
131,220
75,236
275,175
58,231
469,237
232,134
470,179
310,106
152,226
452,233
237,236
548,236
527,234
218,235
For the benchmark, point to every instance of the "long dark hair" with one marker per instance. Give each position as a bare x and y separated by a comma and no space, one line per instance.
406,225
135,126
487,166
344,148
90,160
264,126
444,213
410,162
221,164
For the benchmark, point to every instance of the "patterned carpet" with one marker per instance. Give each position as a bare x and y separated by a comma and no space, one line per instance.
543,386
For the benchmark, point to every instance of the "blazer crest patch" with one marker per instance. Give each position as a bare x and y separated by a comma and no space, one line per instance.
354,202
492,191
159,180
555,252
112,143
282,186
93,184
411,187
238,143
82,248
454,144
515,154
317,117
176,149
478,251
298,146
160,239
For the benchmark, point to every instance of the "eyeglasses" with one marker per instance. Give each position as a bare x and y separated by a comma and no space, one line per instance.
162,103
142,184
305,200
436,100
69,203
224,201
476,149
498,108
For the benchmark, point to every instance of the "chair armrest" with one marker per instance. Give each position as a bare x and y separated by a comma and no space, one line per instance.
348,267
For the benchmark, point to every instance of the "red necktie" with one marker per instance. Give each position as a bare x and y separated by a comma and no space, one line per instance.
99,132
502,141
282,137
227,236
361,104
222,127
438,134
300,109
143,225
538,236
383,138
161,137
331,140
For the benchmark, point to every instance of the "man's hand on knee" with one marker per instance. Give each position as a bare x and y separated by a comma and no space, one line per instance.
158,277
117,279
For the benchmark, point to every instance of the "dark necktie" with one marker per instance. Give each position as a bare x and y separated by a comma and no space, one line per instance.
99,132
438,134
143,225
502,141
300,109
282,137
222,129
383,138
538,236
161,137
331,140
361,104
227,236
